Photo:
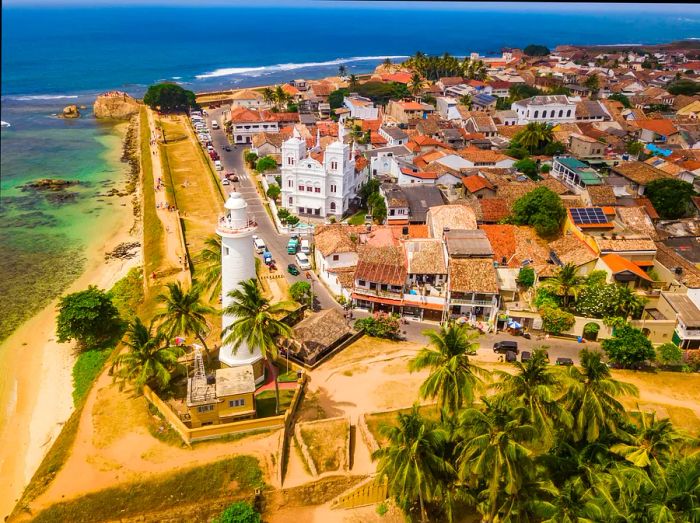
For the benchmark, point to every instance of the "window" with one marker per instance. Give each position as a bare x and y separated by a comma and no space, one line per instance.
372,285
361,283
332,206
205,408
291,201
568,113
391,212
336,257
561,113
333,188
536,114
301,188
290,183
317,189
236,403
334,165
317,212
226,251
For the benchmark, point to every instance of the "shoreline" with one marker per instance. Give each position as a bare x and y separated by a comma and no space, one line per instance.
39,399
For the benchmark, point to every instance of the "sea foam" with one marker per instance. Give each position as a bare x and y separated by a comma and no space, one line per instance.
43,97
257,71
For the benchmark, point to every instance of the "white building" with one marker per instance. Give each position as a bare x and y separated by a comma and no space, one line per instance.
551,109
317,182
361,107
236,229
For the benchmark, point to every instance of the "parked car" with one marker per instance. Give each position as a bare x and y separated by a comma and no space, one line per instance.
305,247
525,356
511,356
225,182
501,347
218,165
303,261
292,245
227,148
259,244
267,257
292,269
567,362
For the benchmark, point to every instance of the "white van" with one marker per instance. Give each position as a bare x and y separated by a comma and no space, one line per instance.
303,261
305,247
214,124
259,245
218,165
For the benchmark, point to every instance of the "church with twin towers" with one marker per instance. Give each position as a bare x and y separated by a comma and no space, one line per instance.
320,181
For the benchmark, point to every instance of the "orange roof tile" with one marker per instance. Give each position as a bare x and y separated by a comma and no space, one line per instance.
619,264
662,127
402,78
475,183
371,125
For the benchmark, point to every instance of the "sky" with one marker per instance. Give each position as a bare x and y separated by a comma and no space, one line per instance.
529,6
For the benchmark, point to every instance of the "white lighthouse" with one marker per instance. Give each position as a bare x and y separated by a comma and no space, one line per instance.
236,229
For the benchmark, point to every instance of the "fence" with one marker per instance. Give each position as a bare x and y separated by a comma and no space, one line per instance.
190,435
289,427
372,490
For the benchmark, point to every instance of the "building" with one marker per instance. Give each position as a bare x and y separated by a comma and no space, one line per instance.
582,146
403,111
227,396
248,99
245,123
360,107
687,315
317,336
319,182
575,174
393,135
380,278
335,254
551,109
396,204
631,178
426,287
483,102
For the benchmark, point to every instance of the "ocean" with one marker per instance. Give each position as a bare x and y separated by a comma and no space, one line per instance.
55,56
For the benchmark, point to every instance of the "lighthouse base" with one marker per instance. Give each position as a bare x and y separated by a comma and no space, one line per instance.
258,368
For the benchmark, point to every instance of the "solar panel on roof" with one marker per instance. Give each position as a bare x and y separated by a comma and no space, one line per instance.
588,215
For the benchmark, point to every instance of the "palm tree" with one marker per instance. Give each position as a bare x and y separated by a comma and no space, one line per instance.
453,377
535,135
411,459
150,360
209,262
493,451
565,282
184,311
281,97
342,70
387,63
256,324
268,95
627,303
536,385
416,84
590,394
353,81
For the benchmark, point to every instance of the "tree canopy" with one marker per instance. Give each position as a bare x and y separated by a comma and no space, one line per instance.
670,197
89,317
628,347
542,209
536,50
266,163
619,97
687,87
168,97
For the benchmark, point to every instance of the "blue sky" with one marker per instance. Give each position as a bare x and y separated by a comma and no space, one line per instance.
689,9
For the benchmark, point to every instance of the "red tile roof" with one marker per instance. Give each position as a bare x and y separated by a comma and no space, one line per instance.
475,183
402,78
661,127
494,209
377,139
371,125
424,175
619,264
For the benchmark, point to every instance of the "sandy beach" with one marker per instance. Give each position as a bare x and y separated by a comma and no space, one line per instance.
38,399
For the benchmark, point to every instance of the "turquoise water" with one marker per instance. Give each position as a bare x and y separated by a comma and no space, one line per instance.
43,239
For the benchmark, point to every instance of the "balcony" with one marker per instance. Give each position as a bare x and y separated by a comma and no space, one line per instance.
475,303
393,295
428,290
228,227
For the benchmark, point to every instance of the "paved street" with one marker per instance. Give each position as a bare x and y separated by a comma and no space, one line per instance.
276,243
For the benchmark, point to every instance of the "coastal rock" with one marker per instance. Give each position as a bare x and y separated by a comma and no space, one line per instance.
115,104
123,251
70,111
48,184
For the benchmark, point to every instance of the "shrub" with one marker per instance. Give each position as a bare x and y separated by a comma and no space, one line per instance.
528,167
266,163
239,512
628,347
273,192
169,97
250,158
89,317
556,321
526,277
669,354
544,298
540,208
381,325
692,359
292,220
590,331
670,197
382,509
301,292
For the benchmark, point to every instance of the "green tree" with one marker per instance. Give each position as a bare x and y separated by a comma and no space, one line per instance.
493,451
628,347
89,317
238,512
377,207
542,209
453,378
619,97
342,70
416,84
593,83
149,358
466,100
411,460
208,263
256,324
670,197
669,354
536,50
528,167
555,320
537,386
634,148
301,292
535,137
168,97
281,97
387,62
250,158
687,87
184,312
266,163
353,84
526,277
380,325
626,303
273,191
566,282
268,95
590,394
335,99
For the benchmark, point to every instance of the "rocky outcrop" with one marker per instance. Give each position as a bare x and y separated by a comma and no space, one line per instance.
70,111
116,105
48,184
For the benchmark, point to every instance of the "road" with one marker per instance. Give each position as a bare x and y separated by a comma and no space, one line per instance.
276,243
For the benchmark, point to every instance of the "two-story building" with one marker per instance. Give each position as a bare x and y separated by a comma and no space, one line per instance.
227,396
426,285
393,135
550,109
335,254
585,147
360,107
380,277
402,111
245,123
319,182
575,174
